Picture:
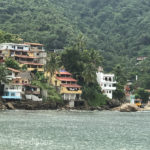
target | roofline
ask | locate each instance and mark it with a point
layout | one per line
(37, 44)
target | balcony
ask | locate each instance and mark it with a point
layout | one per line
(38, 69)
(70, 90)
(12, 97)
(108, 88)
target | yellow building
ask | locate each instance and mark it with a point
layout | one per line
(68, 87)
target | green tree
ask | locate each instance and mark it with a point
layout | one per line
(121, 81)
(119, 93)
(142, 94)
(3, 73)
(8, 37)
(53, 64)
(93, 95)
(11, 63)
(24, 67)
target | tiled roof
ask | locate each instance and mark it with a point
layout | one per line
(13, 70)
(65, 79)
(71, 85)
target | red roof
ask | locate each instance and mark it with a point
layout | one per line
(25, 56)
(64, 73)
(13, 70)
(71, 85)
(30, 63)
(66, 79)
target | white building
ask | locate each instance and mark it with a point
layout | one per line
(12, 73)
(107, 83)
(12, 92)
(14, 46)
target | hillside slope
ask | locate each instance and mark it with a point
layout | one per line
(118, 28)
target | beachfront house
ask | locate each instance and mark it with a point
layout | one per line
(107, 83)
(67, 87)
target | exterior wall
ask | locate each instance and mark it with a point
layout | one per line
(30, 68)
(21, 81)
(106, 82)
(6, 53)
(11, 76)
(71, 104)
(31, 54)
(58, 81)
(12, 46)
(69, 96)
(12, 92)
(38, 69)
(33, 98)
(13, 88)
(65, 90)
(12, 95)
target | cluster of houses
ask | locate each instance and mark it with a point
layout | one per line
(33, 56)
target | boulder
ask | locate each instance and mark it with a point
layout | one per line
(10, 106)
(113, 103)
(129, 108)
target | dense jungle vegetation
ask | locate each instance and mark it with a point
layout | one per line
(119, 29)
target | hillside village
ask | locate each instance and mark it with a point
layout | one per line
(32, 58)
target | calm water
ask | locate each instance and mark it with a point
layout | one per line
(62, 130)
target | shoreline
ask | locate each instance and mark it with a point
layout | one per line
(51, 105)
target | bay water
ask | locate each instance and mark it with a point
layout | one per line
(74, 130)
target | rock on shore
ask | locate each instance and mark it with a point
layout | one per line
(129, 108)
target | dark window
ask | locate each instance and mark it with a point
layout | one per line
(12, 94)
(20, 47)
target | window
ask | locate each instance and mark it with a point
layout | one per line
(12, 94)
(17, 81)
(104, 85)
(109, 91)
(63, 82)
(6, 94)
(20, 47)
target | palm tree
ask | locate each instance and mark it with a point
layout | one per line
(89, 74)
(52, 65)
(92, 61)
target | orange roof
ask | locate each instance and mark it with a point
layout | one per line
(35, 44)
(66, 79)
(30, 63)
(71, 85)
(13, 70)
(25, 56)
